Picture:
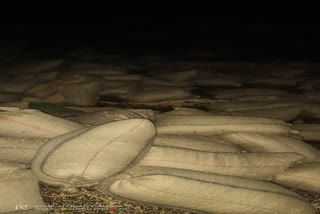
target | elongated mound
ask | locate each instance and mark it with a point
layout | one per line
(250, 165)
(9, 97)
(18, 187)
(177, 76)
(81, 94)
(16, 122)
(181, 111)
(160, 95)
(253, 142)
(204, 192)
(215, 125)
(194, 143)
(309, 132)
(86, 156)
(101, 117)
(281, 113)
(304, 177)
(19, 150)
(311, 110)
(236, 93)
(215, 120)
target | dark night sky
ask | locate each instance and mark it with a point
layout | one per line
(262, 27)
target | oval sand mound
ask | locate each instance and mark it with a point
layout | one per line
(86, 156)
